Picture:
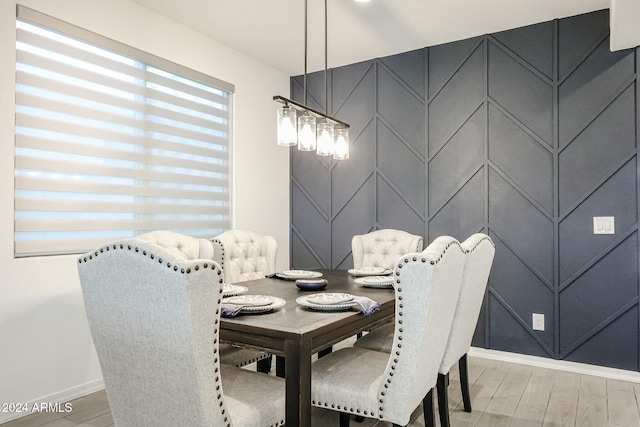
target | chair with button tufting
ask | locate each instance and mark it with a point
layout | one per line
(389, 386)
(248, 255)
(245, 255)
(382, 248)
(479, 250)
(154, 314)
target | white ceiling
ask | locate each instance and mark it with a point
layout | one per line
(272, 31)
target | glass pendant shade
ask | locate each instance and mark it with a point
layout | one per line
(287, 133)
(325, 139)
(306, 133)
(341, 151)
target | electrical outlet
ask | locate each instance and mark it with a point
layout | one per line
(538, 322)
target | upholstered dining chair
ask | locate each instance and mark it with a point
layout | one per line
(479, 250)
(245, 255)
(154, 314)
(382, 248)
(248, 255)
(389, 386)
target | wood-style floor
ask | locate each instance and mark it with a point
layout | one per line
(502, 394)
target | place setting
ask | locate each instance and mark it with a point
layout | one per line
(378, 282)
(230, 290)
(250, 304)
(369, 271)
(337, 301)
(297, 274)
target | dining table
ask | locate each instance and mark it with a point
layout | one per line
(296, 332)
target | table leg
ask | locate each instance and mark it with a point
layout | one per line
(298, 382)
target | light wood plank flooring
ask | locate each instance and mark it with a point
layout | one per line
(502, 394)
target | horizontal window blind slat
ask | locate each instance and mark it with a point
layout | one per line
(22, 183)
(186, 89)
(33, 82)
(46, 205)
(81, 113)
(126, 156)
(213, 110)
(50, 165)
(28, 225)
(186, 119)
(57, 71)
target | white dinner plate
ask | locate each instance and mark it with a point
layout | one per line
(250, 300)
(277, 303)
(375, 281)
(325, 307)
(298, 274)
(369, 271)
(329, 298)
(229, 290)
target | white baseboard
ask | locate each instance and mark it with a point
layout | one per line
(560, 365)
(62, 396)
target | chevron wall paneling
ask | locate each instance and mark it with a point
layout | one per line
(525, 135)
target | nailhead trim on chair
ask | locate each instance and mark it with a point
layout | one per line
(182, 270)
(478, 244)
(222, 246)
(400, 330)
(144, 253)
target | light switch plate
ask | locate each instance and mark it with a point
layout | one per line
(604, 225)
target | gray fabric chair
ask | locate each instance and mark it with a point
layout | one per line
(245, 255)
(388, 387)
(382, 248)
(154, 314)
(479, 250)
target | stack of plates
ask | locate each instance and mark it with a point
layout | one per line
(327, 301)
(256, 303)
(298, 274)
(375, 281)
(369, 271)
(229, 290)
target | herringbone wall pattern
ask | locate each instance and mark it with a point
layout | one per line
(525, 135)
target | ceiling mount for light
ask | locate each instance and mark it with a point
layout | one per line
(327, 136)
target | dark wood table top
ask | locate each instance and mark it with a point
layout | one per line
(322, 327)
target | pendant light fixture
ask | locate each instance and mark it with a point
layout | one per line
(312, 130)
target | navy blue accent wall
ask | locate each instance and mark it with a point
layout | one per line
(525, 135)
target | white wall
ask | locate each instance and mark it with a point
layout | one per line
(45, 347)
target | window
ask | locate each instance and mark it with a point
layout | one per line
(111, 142)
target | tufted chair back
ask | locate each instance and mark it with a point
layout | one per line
(480, 250)
(247, 255)
(179, 244)
(153, 313)
(383, 248)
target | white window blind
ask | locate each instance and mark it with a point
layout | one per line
(111, 142)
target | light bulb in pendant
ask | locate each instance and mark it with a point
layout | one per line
(341, 151)
(287, 135)
(325, 139)
(306, 133)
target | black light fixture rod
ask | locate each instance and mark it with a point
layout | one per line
(302, 107)
(326, 88)
(305, 52)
